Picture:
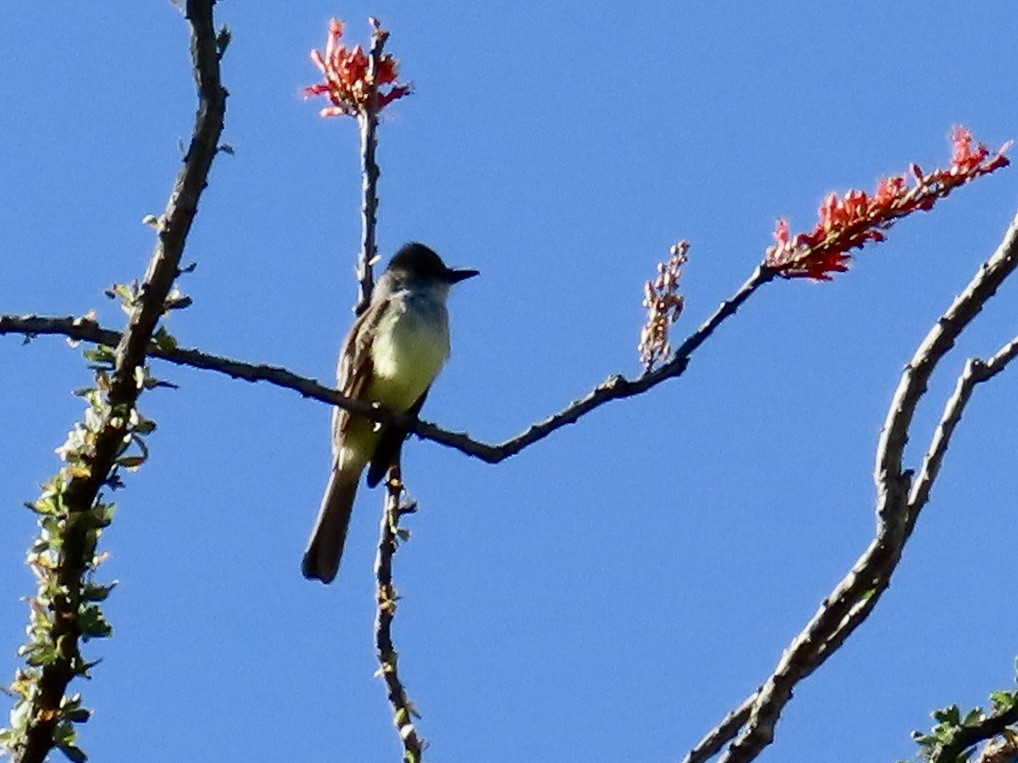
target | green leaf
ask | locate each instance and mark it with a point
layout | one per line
(974, 716)
(39, 655)
(44, 506)
(96, 592)
(73, 752)
(78, 715)
(950, 715)
(93, 624)
(104, 513)
(163, 339)
(131, 462)
(1003, 700)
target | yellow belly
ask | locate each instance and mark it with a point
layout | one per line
(406, 357)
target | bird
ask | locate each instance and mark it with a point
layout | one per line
(391, 356)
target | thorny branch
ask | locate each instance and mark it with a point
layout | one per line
(360, 85)
(389, 536)
(367, 121)
(392, 508)
(76, 553)
(897, 511)
(352, 83)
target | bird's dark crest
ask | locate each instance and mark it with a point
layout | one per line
(417, 257)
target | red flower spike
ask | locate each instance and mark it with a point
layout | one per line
(854, 219)
(965, 156)
(347, 82)
(890, 190)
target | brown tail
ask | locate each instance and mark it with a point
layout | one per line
(325, 547)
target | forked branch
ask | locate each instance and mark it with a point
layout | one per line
(899, 503)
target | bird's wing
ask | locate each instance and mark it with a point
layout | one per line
(353, 373)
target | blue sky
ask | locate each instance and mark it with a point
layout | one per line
(612, 592)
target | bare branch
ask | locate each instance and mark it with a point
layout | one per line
(857, 594)
(975, 372)
(725, 731)
(938, 341)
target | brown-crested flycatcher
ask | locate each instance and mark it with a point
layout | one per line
(392, 354)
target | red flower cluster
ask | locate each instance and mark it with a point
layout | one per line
(347, 82)
(664, 305)
(856, 218)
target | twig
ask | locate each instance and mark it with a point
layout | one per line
(616, 387)
(77, 552)
(975, 372)
(897, 510)
(389, 534)
(716, 738)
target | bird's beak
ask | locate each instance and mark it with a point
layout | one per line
(455, 276)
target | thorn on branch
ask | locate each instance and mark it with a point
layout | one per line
(175, 300)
